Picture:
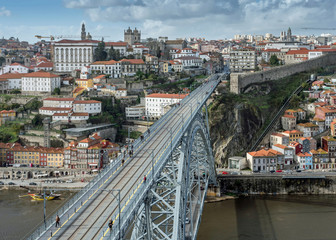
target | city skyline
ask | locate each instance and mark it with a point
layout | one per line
(211, 20)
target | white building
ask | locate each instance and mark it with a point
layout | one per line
(14, 80)
(15, 68)
(120, 46)
(58, 102)
(156, 102)
(70, 117)
(185, 52)
(87, 106)
(190, 61)
(70, 55)
(45, 66)
(113, 68)
(50, 111)
(265, 160)
(288, 153)
(135, 112)
(40, 82)
(243, 60)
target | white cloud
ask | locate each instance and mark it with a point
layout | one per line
(4, 12)
(211, 18)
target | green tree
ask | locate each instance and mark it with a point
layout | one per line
(55, 143)
(33, 105)
(16, 91)
(37, 120)
(139, 75)
(100, 54)
(57, 91)
(2, 60)
(111, 53)
(274, 61)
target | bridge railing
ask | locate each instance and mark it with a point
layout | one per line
(140, 190)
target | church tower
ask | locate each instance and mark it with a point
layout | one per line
(83, 33)
(289, 35)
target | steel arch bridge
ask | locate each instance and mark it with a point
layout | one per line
(176, 158)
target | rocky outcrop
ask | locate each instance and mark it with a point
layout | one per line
(232, 127)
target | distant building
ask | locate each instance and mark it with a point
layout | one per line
(135, 112)
(156, 102)
(70, 55)
(265, 160)
(243, 61)
(40, 82)
(132, 36)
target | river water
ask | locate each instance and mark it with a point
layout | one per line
(253, 218)
(272, 217)
(18, 216)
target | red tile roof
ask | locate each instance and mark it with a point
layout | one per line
(166, 95)
(265, 153)
(12, 75)
(121, 44)
(133, 61)
(78, 41)
(42, 74)
(45, 65)
(59, 99)
(55, 109)
(85, 101)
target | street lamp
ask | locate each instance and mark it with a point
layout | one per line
(153, 172)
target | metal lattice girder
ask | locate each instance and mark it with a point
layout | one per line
(172, 209)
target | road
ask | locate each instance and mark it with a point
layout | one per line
(90, 220)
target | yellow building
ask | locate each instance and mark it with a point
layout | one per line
(26, 155)
(7, 116)
(55, 157)
(85, 83)
(78, 91)
(166, 67)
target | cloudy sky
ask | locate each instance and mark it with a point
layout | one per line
(211, 19)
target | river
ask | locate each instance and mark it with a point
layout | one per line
(18, 216)
(253, 218)
(270, 218)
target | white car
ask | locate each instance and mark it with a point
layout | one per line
(69, 181)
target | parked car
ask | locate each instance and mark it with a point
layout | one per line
(224, 173)
(279, 170)
(69, 181)
(32, 183)
(272, 171)
(2, 183)
(11, 183)
(298, 170)
(256, 171)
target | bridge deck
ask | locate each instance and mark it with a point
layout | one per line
(89, 218)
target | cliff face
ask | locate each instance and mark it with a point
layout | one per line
(232, 128)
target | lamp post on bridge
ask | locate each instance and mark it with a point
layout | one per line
(152, 153)
(119, 209)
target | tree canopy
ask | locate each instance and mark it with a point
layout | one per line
(274, 61)
(100, 54)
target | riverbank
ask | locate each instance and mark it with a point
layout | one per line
(47, 183)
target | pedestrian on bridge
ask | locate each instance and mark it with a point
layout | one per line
(110, 224)
(57, 221)
(145, 178)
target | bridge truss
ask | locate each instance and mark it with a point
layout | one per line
(173, 205)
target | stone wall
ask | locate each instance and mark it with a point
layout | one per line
(276, 185)
(238, 82)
